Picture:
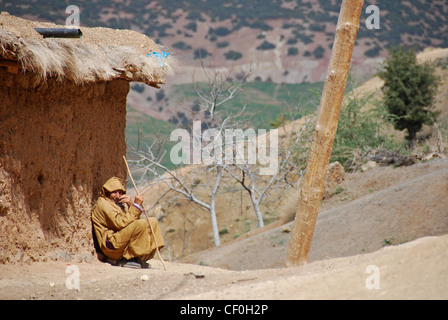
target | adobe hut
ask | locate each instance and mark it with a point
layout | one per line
(62, 129)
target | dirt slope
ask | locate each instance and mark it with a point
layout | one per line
(379, 207)
(382, 205)
(415, 270)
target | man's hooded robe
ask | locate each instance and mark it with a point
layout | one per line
(120, 231)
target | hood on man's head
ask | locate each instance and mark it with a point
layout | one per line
(113, 184)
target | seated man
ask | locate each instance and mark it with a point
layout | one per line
(122, 236)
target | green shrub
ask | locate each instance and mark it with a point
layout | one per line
(233, 55)
(200, 53)
(373, 52)
(266, 46)
(292, 51)
(181, 45)
(409, 91)
(319, 52)
(359, 127)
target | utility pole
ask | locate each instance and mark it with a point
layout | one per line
(313, 182)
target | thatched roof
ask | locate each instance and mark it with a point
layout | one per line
(101, 54)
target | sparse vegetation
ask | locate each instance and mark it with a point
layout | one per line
(200, 54)
(292, 51)
(181, 45)
(266, 46)
(373, 52)
(360, 127)
(319, 52)
(338, 190)
(279, 121)
(388, 242)
(233, 55)
(400, 23)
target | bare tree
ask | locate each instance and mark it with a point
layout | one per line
(218, 91)
(247, 172)
(259, 187)
(176, 182)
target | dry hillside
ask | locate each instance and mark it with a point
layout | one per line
(392, 219)
(380, 207)
(363, 227)
(187, 227)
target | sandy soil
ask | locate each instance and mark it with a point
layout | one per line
(415, 270)
(348, 256)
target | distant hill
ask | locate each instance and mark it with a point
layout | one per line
(280, 41)
(291, 37)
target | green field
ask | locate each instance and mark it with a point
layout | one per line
(142, 130)
(264, 103)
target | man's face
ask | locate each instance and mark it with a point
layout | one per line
(115, 196)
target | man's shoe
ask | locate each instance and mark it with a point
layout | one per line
(144, 264)
(112, 262)
(131, 263)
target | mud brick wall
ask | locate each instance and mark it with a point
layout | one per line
(59, 142)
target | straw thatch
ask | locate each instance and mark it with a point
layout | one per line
(101, 54)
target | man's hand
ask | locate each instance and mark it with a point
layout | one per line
(126, 199)
(139, 199)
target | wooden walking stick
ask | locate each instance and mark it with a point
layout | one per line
(312, 185)
(146, 214)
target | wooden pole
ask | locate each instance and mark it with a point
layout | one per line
(146, 214)
(313, 182)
